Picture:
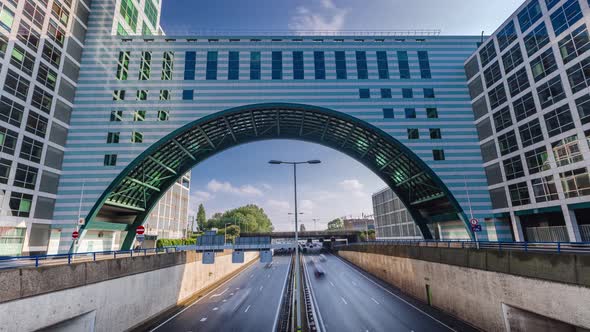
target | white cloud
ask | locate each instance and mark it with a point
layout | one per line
(306, 206)
(266, 186)
(278, 205)
(197, 197)
(226, 187)
(326, 17)
(353, 186)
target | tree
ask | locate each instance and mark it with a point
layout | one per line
(231, 232)
(302, 228)
(335, 225)
(249, 218)
(201, 217)
(363, 235)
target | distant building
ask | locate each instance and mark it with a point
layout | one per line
(358, 224)
(392, 220)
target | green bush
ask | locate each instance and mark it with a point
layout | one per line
(161, 243)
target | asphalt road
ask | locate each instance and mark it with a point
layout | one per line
(248, 302)
(350, 300)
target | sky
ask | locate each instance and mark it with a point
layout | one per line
(339, 186)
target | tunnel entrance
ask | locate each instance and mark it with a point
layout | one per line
(128, 200)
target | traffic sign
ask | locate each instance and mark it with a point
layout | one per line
(140, 237)
(474, 221)
(81, 221)
(140, 230)
(476, 228)
(75, 235)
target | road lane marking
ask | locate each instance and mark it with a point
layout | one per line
(331, 283)
(237, 288)
(391, 293)
(224, 300)
(343, 300)
(247, 309)
(252, 275)
(197, 301)
(231, 294)
(375, 300)
(274, 325)
(216, 295)
(268, 276)
(215, 309)
(261, 288)
(203, 319)
(354, 283)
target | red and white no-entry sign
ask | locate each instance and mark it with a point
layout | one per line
(474, 222)
(140, 230)
(75, 235)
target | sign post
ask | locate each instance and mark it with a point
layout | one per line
(139, 235)
(475, 228)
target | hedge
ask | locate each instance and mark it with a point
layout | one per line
(161, 243)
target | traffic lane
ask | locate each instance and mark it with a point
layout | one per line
(249, 302)
(350, 302)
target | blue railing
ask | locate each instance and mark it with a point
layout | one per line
(558, 247)
(23, 261)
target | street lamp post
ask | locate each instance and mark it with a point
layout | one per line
(297, 268)
(225, 232)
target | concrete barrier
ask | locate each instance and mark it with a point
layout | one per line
(492, 290)
(107, 295)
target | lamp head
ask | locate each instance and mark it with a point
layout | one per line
(314, 161)
(275, 162)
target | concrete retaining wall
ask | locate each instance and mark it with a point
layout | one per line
(477, 295)
(120, 293)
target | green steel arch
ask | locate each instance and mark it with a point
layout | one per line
(128, 200)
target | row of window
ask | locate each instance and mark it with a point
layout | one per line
(387, 94)
(410, 113)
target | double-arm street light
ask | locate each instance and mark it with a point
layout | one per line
(297, 273)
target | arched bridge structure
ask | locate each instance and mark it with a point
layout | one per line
(135, 191)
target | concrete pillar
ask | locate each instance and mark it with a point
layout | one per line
(25, 248)
(571, 223)
(516, 227)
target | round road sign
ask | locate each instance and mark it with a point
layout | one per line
(140, 230)
(75, 235)
(474, 222)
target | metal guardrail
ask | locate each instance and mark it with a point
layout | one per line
(37, 260)
(556, 247)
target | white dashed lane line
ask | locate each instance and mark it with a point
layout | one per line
(343, 300)
(375, 300)
(216, 295)
(203, 319)
(248, 308)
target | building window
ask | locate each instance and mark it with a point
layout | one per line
(42, 100)
(551, 3)
(512, 58)
(190, 61)
(31, 150)
(388, 113)
(145, 66)
(507, 143)
(233, 72)
(16, 85)
(432, 113)
(361, 65)
(151, 12)
(31, 10)
(28, 36)
(211, 71)
(550, 92)
(164, 94)
(255, 65)
(167, 65)
(502, 119)
(492, 74)
(47, 76)
(129, 13)
(36, 124)
(320, 65)
(22, 60)
(403, 64)
(364, 93)
(298, 65)
(57, 34)
(574, 44)
(424, 64)
(277, 65)
(20, 204)
(119, 95)
(113, 137)
(382, 65)
(543, 65)
(544, 189)
(116, 116)
(5, 166)
(575, 183)
(386, 93)
(142, 94)
(519, 194)
(536, 39)
(438, 155)
(566, 16)
(163, 115)
(413, 133)
(506, 36)
(410, 113)
(524, 107)
(497, 96)
(529, 15)
(513, 168)
(579, 75)
(340, 58)
(518, 82)
(537, 160)
(121, 30)
(559, 121)
(407, 93)
(428, 93)
(435, 133)
(7, 17)
(25, 176)
(11, 112)
(8, 140)
(583, 107)
(110, 160)
(530, 133)
(123, 65)
(136, 137)
(566, 151)
(139, 116)
(188, 94)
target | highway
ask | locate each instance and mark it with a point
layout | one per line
(248, 302)
(350, 300)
